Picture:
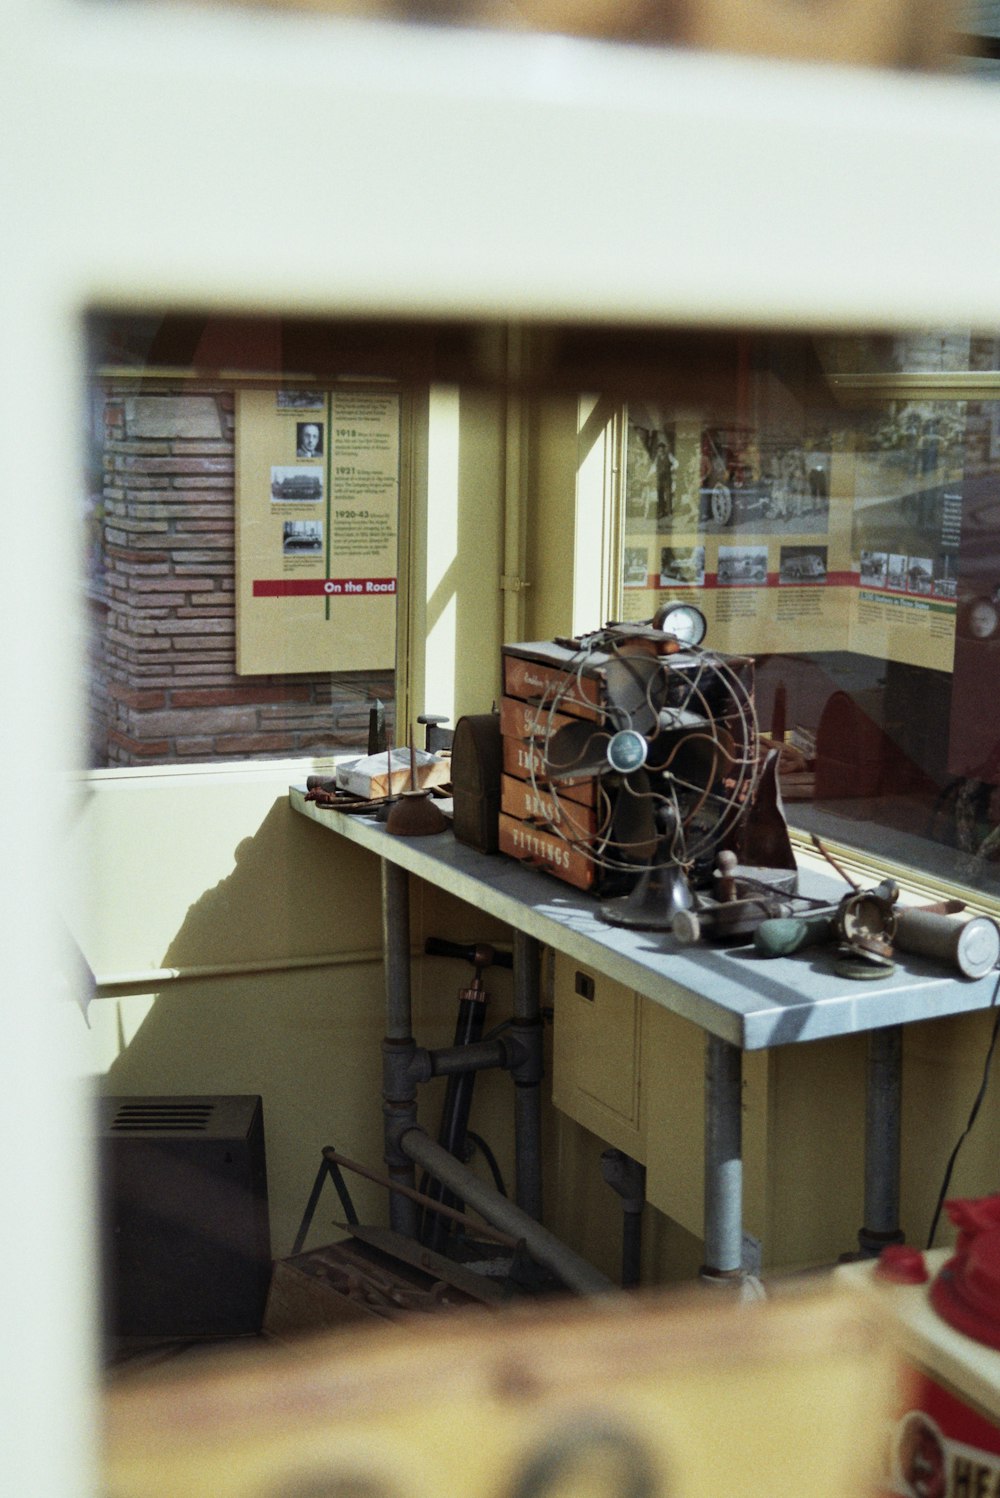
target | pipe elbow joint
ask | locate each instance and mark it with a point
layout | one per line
(523, 1041)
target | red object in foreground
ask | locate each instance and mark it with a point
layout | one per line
(901, 1264)
(966, 1292)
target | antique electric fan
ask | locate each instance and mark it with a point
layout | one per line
(668, 753)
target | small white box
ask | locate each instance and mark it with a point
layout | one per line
(370, 777)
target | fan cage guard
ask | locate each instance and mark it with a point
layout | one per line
(704, 814)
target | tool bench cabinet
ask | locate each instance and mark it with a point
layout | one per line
(638, 1014)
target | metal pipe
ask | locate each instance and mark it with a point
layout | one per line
(882, 1139)
(527, 1150)
(454, 1126)
(527, 1093)
(404, 1214)
(399, 1097)
(527, 1003)
(396, 947)
(628, 1178)
(631, 1248)
(543, 1246)
(141, 980)
(477, 1055)
(723, 1158)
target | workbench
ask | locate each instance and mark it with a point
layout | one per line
(740, 1001)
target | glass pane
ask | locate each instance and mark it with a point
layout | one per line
(839, 519)
(242, 529)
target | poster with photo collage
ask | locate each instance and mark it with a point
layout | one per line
(837, 536)
(317, 511)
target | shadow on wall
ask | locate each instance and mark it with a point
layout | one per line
(305, 1037)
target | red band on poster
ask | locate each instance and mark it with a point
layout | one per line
(324, 587)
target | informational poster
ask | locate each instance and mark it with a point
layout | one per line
(974, 738)
(752, 527)
(798, 542)
(906, 534)
(317, 515)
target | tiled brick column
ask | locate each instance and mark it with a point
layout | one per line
(168, 658)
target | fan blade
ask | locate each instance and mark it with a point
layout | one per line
(576, 752)
(633, 821)
(702, 759)
(636, 688)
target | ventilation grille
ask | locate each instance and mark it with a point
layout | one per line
(153, 1117)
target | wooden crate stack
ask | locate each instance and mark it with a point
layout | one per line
(542, 695)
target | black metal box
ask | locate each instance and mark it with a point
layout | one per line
(184, 1216)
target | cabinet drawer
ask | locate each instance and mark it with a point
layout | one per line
(596, 1051)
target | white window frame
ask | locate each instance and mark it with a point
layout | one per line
(155, 157)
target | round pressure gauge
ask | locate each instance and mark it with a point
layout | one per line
(982, 618)
(682, 620)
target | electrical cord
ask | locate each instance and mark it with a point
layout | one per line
(973, 1114)
(490, 1158)
(477, 1142)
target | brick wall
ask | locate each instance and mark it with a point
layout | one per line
(163, 685)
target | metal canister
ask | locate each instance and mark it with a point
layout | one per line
(971, 944)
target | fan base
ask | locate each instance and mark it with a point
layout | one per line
(659, 895)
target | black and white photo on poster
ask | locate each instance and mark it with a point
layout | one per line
(680, 477)
(296, 485)
(301, 536)
(683, 565)
(300, 400)
(742, 565)
(635, 567)
(308, 440)
(802, 564)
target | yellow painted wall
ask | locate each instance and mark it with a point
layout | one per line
(551, 517)
(943, 1064)
(188, 872)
